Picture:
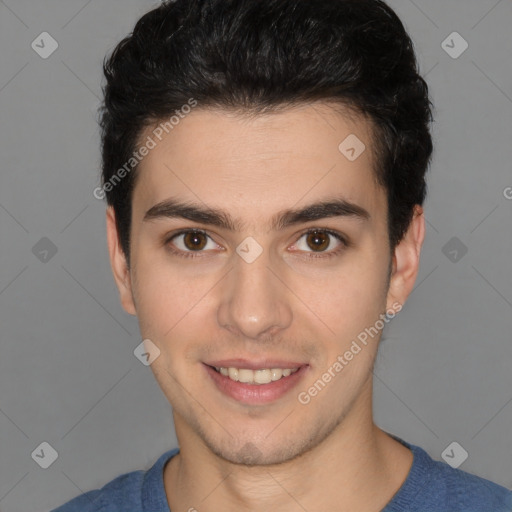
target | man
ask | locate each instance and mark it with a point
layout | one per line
(264, 167)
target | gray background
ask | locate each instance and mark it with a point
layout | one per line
(68, 375)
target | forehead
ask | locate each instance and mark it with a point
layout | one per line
(231, 160)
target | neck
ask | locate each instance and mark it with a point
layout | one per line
(357, 468)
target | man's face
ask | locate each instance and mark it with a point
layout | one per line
(211, 299)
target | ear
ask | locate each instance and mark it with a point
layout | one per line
(118, 264)
(406, 260)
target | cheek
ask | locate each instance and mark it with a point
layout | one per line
(173, 306)
(160, 295)
(347, 298)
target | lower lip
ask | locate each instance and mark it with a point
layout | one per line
(255, 393)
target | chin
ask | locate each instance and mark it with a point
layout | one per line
(262, 453)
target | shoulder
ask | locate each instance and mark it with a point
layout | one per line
(434, 486)
(122, 492)
(126, 493)
(467, 492)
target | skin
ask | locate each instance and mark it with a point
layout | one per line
(291, 303)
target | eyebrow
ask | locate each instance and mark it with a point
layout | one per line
(338, 207)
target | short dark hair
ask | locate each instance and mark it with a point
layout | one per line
(260, 56)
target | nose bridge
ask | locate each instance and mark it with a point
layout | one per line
(254, 302)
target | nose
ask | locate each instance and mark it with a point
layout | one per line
(255, 303)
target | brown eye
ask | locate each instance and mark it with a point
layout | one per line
(318, 240)
(320, 243)
(192, 243)
(195, 240)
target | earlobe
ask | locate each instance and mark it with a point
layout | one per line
(406, 259)
(119, 264)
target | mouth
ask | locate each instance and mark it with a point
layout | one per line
(260, 384)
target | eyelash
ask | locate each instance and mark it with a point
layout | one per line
(322, 254)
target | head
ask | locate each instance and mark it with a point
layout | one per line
(244, 109)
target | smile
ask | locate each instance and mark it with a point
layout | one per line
(255, 386)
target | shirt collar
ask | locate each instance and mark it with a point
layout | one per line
(153, 495)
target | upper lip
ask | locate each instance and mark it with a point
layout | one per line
(254, 364)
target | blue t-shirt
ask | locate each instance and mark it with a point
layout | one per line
(430, 486)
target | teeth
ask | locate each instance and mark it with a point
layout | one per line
(276, 373)
(263, 376)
